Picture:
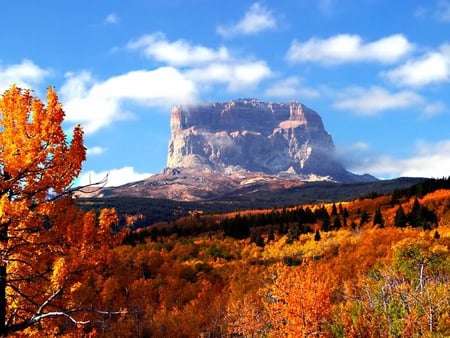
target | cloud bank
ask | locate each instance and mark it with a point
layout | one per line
(347, 48)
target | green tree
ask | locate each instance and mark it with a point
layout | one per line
(400, 220)
(317, 236)
(378, 218)
(364, 218)
(337, 223)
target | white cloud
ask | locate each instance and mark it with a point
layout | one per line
(25, 75)
(204, 66)
(115, 177)
(95, 150)
(255, 20)
(291, 88)
(354, 156)
(430, 160)
(177, 53)
(236, 75)
(433, 67)
(96, 104)
(111, 19)
(375, 100)
(432, 109)
(346, 48)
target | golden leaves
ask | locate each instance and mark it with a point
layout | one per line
(300, 300)
(34, 152)
(46, 243)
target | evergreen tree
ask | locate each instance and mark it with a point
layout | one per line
(364, 218)
(322, 214)
(309, 216)
(415, 215)
(317, 236)
(271, 235)
(334, 210)
(378, 218)
(337, 223)
(400, 220)
(259, 241)
(344, 216)
(293, 234)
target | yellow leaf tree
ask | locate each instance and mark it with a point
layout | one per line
(299, 300)
(44, 242)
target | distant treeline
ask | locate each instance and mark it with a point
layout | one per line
(421, 189)
(292, 222)
(152, 210)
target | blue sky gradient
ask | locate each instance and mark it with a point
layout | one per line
(377, 71)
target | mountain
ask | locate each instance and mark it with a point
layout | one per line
(241, 147)
(248, 135)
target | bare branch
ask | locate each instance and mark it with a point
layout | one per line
(48, 300)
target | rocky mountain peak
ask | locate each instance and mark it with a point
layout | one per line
(248, 135)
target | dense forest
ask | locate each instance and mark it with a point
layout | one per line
(374, 266)
(152, 210)
(371, 267)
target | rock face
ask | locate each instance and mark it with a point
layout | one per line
(248, 135)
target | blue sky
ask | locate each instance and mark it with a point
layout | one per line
(377, 71)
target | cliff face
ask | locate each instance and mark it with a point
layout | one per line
(253, 136)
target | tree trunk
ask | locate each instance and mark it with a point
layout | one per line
(3, 305)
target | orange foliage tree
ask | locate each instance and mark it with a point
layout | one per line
(45, 241)
(300, 300)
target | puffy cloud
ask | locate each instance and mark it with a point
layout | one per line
(375, 100)
(431, 68)
(24, 75)
(346, 48)
(255, 20)
(291, 88)
(115, 177)
(429, 160)
(236, 75)
(96, 104)
(204, 66)
(177, 53)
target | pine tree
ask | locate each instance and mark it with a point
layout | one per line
(378, 218)
(364, 218)
(337, 223)
(400, 220)
(317, 236)
(334, 210)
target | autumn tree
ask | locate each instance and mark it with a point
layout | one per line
(44, 239)
(405, 297)
(300, 300)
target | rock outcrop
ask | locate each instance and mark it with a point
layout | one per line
(248, 135)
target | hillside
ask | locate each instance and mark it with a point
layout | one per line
(255, 196)
(374, 266)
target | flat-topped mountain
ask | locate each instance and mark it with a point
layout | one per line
(248, 135)
(238, 148)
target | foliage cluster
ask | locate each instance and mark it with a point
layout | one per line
(365, 268)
